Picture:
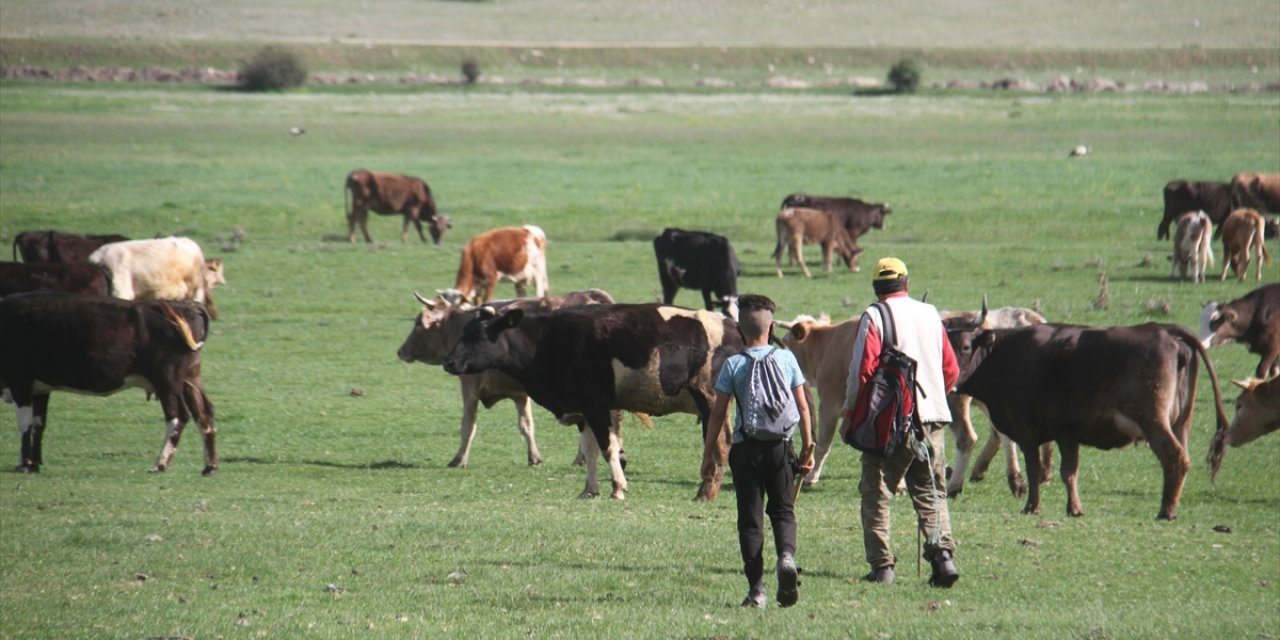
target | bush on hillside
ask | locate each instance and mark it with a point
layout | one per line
(272, 69)
(470, 70)
(904, 76)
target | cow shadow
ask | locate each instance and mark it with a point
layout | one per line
(380, 465)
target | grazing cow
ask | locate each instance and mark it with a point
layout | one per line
(1257, 411)
(1192, 248)
(1243, 233)
(96, 345)
(389, 194)
(517, 254)
(583, 363)
(698, 260)
(77, 277)
(55, 246)
(961, 404)
(1076, 385)
(1253, 320)
(856, 216)
(795, 226)
(162, 269)
(1181, 196)
(1259, 191)
(438, 328)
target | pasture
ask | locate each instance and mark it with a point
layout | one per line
(334, 515)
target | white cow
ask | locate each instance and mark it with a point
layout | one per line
(1192, 249)
(170, 268)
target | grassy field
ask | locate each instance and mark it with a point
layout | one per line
(334, 514)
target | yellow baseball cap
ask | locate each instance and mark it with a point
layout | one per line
(890, 269)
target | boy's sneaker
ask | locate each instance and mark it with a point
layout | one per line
(756, 599)
(788, 581)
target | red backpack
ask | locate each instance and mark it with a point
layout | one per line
(885, 411)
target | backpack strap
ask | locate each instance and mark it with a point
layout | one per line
(886, 318)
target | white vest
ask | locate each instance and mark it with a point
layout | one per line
(920, 335)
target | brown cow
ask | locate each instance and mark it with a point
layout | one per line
(1181, 196)
(796, 226)
(518, 254)
(1257, 411)
(1259, 191)
(1252, 320)
(78, 277)
(1243, 232)
(389, 194)
(56, 246)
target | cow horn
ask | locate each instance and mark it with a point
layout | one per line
(1247, 384)
(925, 297)
(424, 301)
(183, 328)
(982, 317)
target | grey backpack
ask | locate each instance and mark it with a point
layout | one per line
(770, 411)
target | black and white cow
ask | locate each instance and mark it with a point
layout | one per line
(698, 260)
(583, 363)
(54, 341)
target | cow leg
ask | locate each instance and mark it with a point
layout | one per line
(175, 419)
(417, 223)
(608, 443)
(524, 422)
(467, 429)
(590, 451)
(1034, 473)
(1070, 475)
(797, 251)
(520, 289)
(777, 262)
(825, 432)
(201, 409)
(994, 443)
(1175, 463)
(827, 250)
(31, 411)
(1046, 462)
(962, 430)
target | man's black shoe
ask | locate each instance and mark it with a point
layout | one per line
(944, 570)
(882, 575)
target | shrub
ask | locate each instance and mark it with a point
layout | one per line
(905, 76)
(470, 70)
(272, 69)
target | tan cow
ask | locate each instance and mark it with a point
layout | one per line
(1243, 233)
(796, 226)
(172, 268)
(517, 254)
(1259, 191)
(1192, 246)
(1257, 411)
(389, 194)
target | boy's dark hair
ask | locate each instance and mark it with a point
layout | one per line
(755, 315)
(755, 302)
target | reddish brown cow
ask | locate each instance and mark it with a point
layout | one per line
(1259, 191)
(55, 246)
(389, 194)
(1257, 411)
(518, 254)
(1243, 232)
(796, 226)
(1252, 320)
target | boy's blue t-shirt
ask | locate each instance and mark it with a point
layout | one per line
(734, 375)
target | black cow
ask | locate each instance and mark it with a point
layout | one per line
(583, 363)
(856, 216)
(56, 246)
(1076, 385)
(95, 345)
(1181, 196)
(1253, 320)
(75, 277)
(698, 260)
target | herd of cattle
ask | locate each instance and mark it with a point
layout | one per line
(98, 314)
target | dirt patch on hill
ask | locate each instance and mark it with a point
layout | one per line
(223, 77)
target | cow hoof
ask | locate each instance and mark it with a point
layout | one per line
(156, 469)
(1074, 514)
(26, 468)
(977, 477)
(587, 495)
(1031, 511)
(533, 462)
(1167, 516)
(458, 464)
(953, 493)
(209, 471)
(618, 495)
(1017, 485)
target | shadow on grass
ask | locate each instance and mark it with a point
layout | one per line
(376, 466)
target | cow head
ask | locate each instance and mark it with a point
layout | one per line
(1217, 325)
(485, 343)
(878, 212)
(848, 250)
(213, 273)
(428, 341)
(971, 347)
(437, 224)
(454, 297)
(1257, 411)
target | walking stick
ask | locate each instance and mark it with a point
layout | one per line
(919, 549)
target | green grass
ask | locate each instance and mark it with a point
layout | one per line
(321, 487)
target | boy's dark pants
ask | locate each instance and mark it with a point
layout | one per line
(763, 469)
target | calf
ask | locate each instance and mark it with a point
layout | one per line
(1192, 249)
(1257, 411)
(94, 345)
(55, 246)
(162, 269)
(436, 331)
(78, 277)
(795, 226)
(1181, 196)
(856, 216)
(698, 260)
(517, 254)
(1105, 388)
(1243, 232)
(1253, 320)
(389, 194)
(583, 363)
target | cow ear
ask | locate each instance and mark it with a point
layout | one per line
(799, 331)
(512, 318)
(987, 339)
(487, 312)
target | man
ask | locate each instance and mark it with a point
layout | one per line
(763, 467)
(920, 335)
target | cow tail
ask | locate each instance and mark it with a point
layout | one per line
(1218, 444)
(181, 324)
(1264, 256)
